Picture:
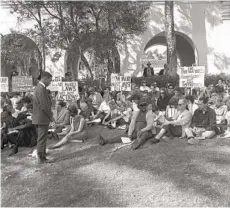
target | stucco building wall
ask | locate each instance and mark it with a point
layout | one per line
(201, 23)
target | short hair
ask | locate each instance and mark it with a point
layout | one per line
(177, 89)
(204, 99)
(5, 114)
(91, 89)
(170, 86)
(62, 103)
(190, 98)
(112, 102)
(173, 101)
(155, 108)
(30, 106)
(184, 100)
(68, 74)
(25, 99)
(73, 109)
(219, 99)
(46, 75)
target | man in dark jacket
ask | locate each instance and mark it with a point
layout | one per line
(203, 123)
(148, 71)
(42, 114)
(24, 135)
(163, 100)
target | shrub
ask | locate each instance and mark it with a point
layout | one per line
(213, 78)
(160, 80)
(163, 80)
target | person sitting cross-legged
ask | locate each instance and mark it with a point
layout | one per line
(114, 117)
(104, 108)
(176, 126)
(140, 130)
(24, 135)
(61, 117)
(203, 123)
(78, 128)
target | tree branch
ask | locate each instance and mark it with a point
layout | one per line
(54, 16)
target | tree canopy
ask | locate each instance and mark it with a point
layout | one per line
(75, 26)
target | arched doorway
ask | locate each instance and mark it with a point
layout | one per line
(21, 54)
(186, 50)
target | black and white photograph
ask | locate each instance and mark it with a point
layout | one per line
(115, 103)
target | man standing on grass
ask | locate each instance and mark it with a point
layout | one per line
(42, 114)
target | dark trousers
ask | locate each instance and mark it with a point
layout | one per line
(172, 130)
(144, 137)
(42, 131)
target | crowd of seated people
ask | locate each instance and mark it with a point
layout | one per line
(146, 112)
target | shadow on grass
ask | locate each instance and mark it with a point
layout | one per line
(178, 165)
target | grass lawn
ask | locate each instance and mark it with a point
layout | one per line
(169, 173)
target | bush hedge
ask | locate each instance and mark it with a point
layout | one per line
(160, 80)
(163, 80)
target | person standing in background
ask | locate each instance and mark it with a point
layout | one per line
(148, 71)
(42, 114)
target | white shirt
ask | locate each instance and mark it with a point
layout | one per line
(135, 107)
(14, 101)
(104, 107)
(15, 114)
(23, 109)
(127, 114)
(145, 88)
(192, 107)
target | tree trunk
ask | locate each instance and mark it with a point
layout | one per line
(43, 53)
(86, 63)
(170, 39)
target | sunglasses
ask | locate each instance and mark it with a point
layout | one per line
(180, 104)
(143, 105)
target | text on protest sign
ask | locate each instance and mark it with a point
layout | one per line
(192, 76)
(22, 84)
(68, 91)
(4, 84)
(120, 83)
(56, 84)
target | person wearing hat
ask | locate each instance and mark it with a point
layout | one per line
(140, 131)
(148, 71)
(144, 87)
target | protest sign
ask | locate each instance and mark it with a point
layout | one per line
(120, 83)
(22, 84)
(56, 84)
(4, 84)
(68, 91)
(192, 76)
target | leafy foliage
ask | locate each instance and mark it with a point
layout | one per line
(75, 26)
